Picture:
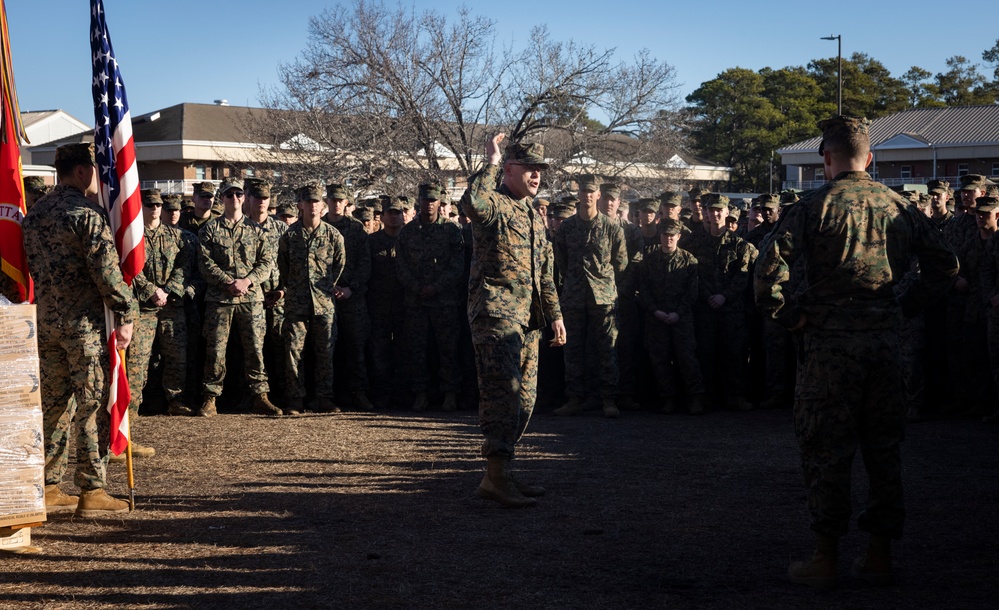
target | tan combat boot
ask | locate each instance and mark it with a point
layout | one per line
(875, 566)
(610, 409)
(293, 406)
(97, 503)
(177, 407)
(498, 486)
(573, 406)
(450, 402)
(420, 404)
(208, 407)
(528, 490)
(58, 501)
(822, 570)
(262, 405)
(138, 451)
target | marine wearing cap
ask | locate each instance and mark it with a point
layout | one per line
(204, 188)
(587, 182)
(151, 197)
(671, 200)
(171, 201)
(337, 192)
(258, 187)
(35, 185)
(310, 191)
(938, 186)
(430, 191)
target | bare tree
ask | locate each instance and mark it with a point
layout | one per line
(382, 95)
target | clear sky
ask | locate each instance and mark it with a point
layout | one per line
(174, 51)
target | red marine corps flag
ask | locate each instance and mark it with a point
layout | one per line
(12, 210)
(114, 151)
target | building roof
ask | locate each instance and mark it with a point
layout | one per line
(939, 127)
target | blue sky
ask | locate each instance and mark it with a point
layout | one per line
(174, 51)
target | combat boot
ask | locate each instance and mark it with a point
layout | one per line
(450, 402)
(738, 403)
(262, 405)
(177, 407)
(498, 485)
(325, 405)
(573, 406)
(420, 404)
(627, 403)
(696, 404)
(821, 571)
(293, 406)
(141, 451)
(208, 407)
(361, 401)
(610, 409)
(97, 503)
(875, 566)
(58, 501)
(526, 489)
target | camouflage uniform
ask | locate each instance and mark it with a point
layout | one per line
(72, 258)
(230, 250)
(166, 264)
(310, 262)
(431, 255)
(592, 255)
(387, 313)
(856, 237)
(668, 283)
(274, 345)
(511, 296)
(723, 265)
(352, 314)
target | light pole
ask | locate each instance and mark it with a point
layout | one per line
(839, 70)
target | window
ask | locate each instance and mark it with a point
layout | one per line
(276, 175)
(962, 169)
(995, 169)
(905, 173)
(199, 172)
(820, 173)
(249, 172)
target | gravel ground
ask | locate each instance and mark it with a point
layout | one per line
(377, 510)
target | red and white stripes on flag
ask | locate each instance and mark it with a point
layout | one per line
(114, 151)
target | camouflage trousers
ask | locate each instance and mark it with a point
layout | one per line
(849, 395)
(441, 323)
(250, 323)
(275, 347)
(167, 328)
(672, 350)
(74, 385)
(506, 360)
(354, 328)
(591, 335)
(385, 357)
(320, 334)
(722, 348)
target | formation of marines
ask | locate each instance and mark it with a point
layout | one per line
(651, 302)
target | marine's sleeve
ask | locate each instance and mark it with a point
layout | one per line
(338, 261)
(282, 261)
(738, 273)
(210, 271)
(481, 204)
(778, 253)
(549, 296)
(178, 277)
(618, 255)
(104, 267)
(143, 288)
(938, 265)
(264, 260)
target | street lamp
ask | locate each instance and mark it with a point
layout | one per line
(839, 71)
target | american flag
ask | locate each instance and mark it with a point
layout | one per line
(114, 151)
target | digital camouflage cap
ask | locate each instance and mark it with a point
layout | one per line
(648, 204)
(611, 189)
(337, 192)
(204, 188)
(258, 187)
(971, 182)
(310, 191)
(231, 183)
(430, 191)
(938, 186)
(522, 153)
(768, 201)
(588, 182)
(714, 200)
(171, 201)
(35, 185)
(151, 196)
(671, 199)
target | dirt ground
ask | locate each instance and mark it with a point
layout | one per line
(377, 510)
